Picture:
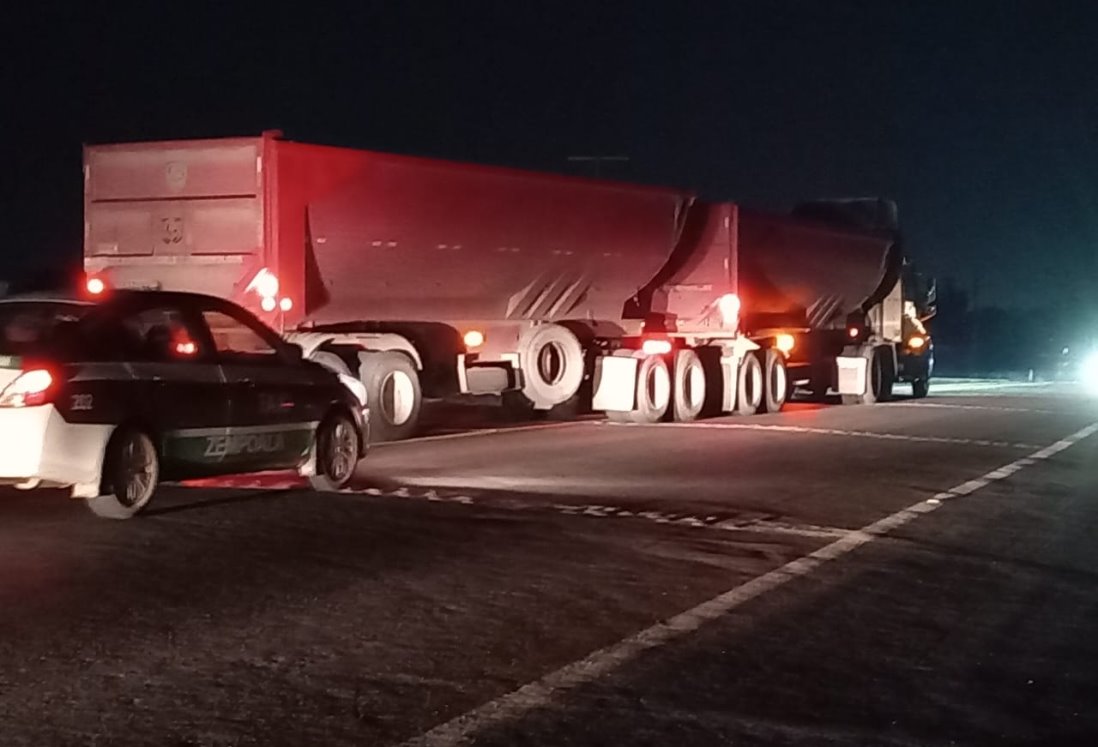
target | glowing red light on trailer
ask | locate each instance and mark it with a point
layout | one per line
(729, 306)
(95, 286)
(285, 304)
(656, 347)
(853, 332)
(267, 303)
(187, 348)
(265, 283)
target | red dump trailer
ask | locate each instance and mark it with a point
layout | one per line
(431, 279)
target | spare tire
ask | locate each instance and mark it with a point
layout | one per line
(552, 362)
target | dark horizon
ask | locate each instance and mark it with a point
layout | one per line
(977, 120)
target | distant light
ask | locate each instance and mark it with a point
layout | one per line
(853, 332)
(1065, 351)
(1088, 372)
(729, 307)
(95, 286)
(785, 343)
(285, 304)
(656, 347)
(916, 342)
(267, 303)
(474, 338)
(186, 348)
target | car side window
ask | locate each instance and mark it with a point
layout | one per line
(236, 341)
(160, 334)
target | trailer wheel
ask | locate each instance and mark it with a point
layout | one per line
(776, 377)
(653, 393)
(749, 385)
(552, 363)
(687, 387)
(879, 369)
(393, 395)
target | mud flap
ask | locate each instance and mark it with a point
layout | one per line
(852, 375)
(615, 387)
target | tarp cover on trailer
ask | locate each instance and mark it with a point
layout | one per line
(813, 268)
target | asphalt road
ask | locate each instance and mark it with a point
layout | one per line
(917, 573)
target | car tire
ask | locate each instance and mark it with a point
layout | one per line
(337, 448)
(131, 472)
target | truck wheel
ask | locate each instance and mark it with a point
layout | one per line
(337, 449)
(687, 387)
(131, 471)
(881, 378)
(553, 363)
(920, 388)
(653, 393)
(393, 395)
(776, 377)
(749, 385)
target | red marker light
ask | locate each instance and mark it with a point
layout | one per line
(656, 347)
(186, 348)
(95, 286)
(854, 332)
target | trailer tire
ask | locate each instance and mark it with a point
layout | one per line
(776, 388)
(879, 369)
(688, 387)
(653, 393)
(393, 394)
(749, 385)
(553, 365)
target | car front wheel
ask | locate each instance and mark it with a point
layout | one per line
(337, 450)
(131, 472)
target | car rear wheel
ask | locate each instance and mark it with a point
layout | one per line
(131, 472)
(337, 450)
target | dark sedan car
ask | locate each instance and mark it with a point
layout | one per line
(112, 397)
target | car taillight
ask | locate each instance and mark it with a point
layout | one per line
(32, 388)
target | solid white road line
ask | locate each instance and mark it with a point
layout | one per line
(542, 692)
(481, 432)
(993, 408)
(830, 432)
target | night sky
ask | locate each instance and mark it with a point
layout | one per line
(981, 119)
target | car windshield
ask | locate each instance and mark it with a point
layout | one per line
(36, 327)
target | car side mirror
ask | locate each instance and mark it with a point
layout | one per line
(296, 353)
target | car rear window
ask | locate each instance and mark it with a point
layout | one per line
(37, 327)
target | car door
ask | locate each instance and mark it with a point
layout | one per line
(273, 411)
(179, 389)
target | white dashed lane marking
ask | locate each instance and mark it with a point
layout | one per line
(832, 432)
(542, 692)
